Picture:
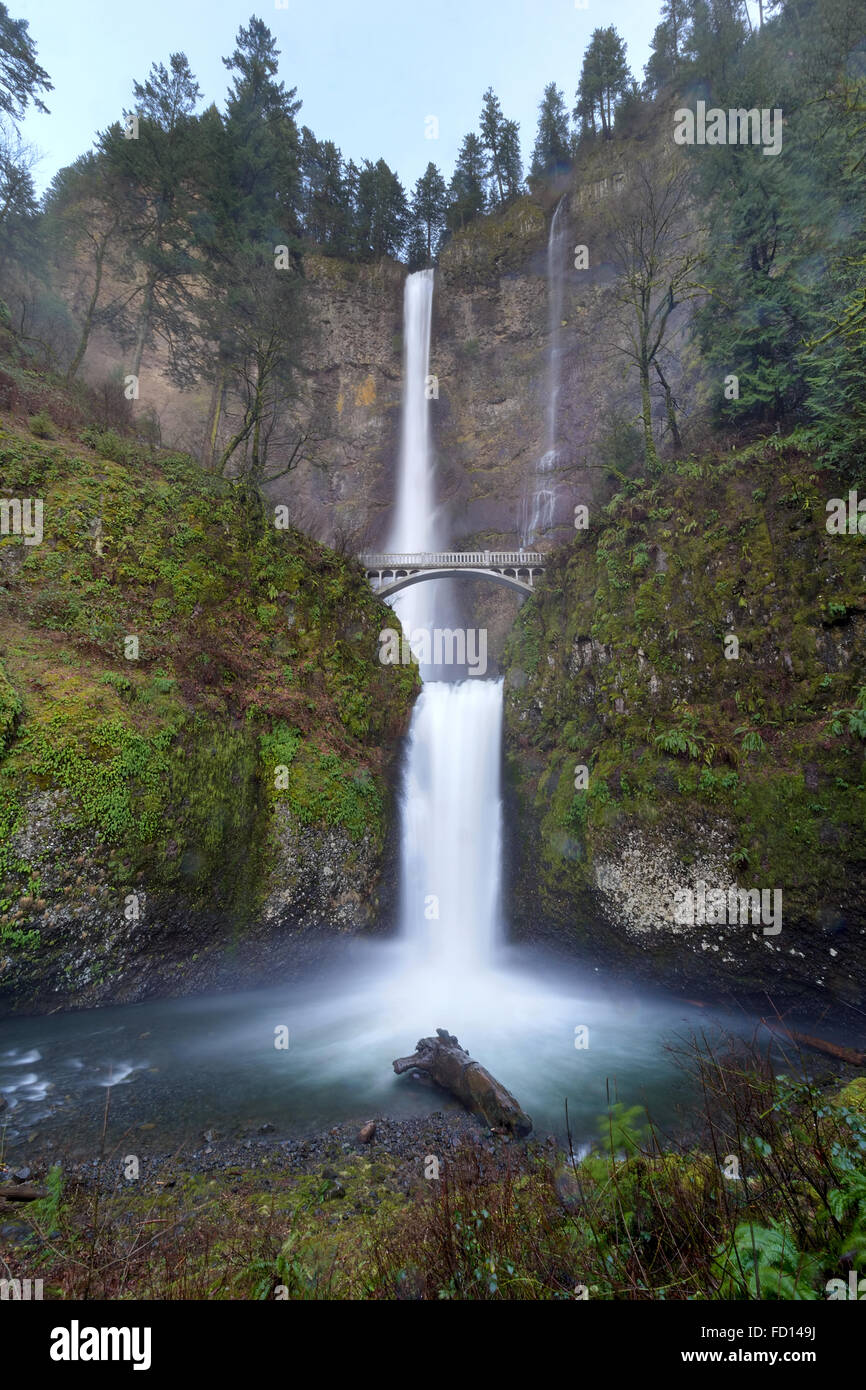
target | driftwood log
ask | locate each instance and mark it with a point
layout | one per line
(842, 1054)
(450, 1066)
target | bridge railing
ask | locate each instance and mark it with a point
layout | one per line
(440, 559)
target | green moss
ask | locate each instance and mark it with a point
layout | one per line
(10, 708)
(669, 726)
(241, 633)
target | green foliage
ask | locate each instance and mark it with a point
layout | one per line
(856, 718)
(46, 1212)
(763, 1262)
(10, 709)
(752, 741)
(604, 81)
(41, 425)
(116, 776)
(624, 1130)
(108, 443)
(683, 738)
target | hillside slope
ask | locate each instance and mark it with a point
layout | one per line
(197, 735)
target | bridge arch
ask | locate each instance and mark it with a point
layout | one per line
(389, 572)
(403, 581)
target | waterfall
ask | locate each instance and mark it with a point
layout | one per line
(452, 825)
(414, 526)
(540, 501)
(415, 520)
(451, 811)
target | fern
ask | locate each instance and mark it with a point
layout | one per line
(763, 1262)
(752, 741)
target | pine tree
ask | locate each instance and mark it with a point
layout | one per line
(604, 80)
(552, 150)
(264, 143)
(667, 52)
(21, 81)
(429, 202)
(326, 204)
(466, 198)
(383, 212)
(250, 312)
(157, 168)
(511, 160)
(716, 35)
(21, 77)
(500, 138)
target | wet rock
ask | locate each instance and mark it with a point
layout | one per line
(267, 1128)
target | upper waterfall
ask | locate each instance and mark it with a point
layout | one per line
(415, 518)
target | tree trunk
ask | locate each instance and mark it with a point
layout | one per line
(88, 317)
(450, 1066)
(143, 326)
(216, 407)
(670, 408)
(652, 458)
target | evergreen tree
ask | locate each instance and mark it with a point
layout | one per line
(21, 81)
(511, 160)
(249, 311)
(416, 248)
(326, 204)
(466, 198)
(429, 202)
(604, 80)
(17, 197)
(263, 136)
(717, 32)
(158, 171)
(500, 138)
(552, 150)
(383, 212)
(667, 51)
(21, 77)
(782, 229)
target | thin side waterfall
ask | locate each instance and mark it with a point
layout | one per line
(540, 500)
(451, 828)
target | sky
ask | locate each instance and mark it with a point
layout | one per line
(369, 72)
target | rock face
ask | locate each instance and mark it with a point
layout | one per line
(684, 729)
(98, 944)
(489, 357)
